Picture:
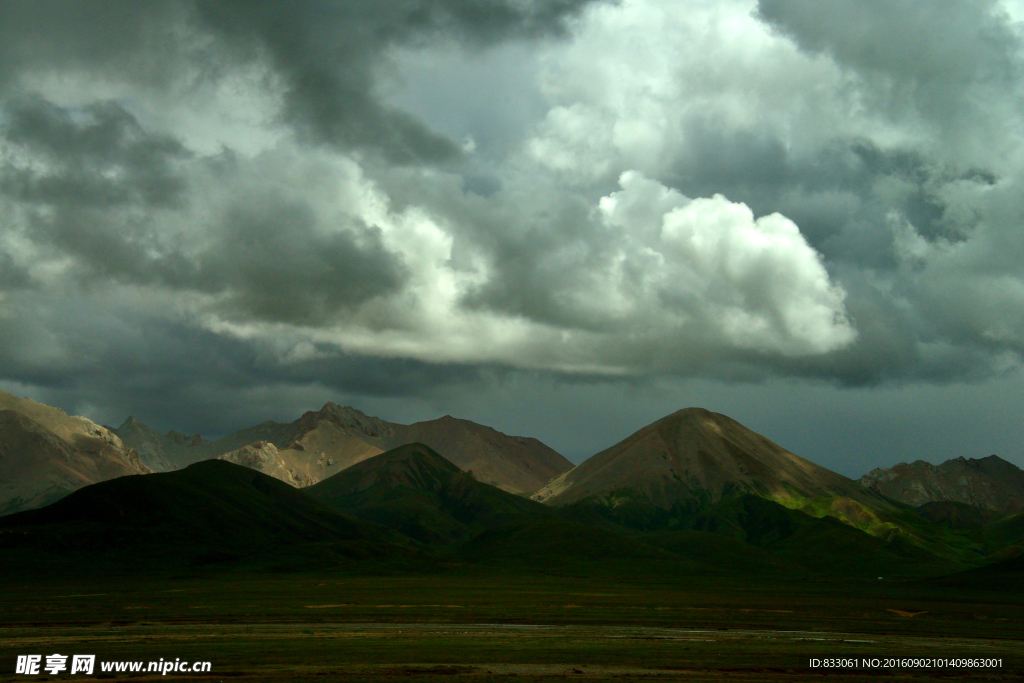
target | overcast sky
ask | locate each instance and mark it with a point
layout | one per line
(561, 218)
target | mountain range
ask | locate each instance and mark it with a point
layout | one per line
(990, 483)
(325, 442)
(693, 492)
(410, 509)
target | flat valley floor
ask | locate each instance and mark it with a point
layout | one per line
(495, 627)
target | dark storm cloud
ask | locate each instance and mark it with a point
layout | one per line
(534, 267)
(132, 39)
(143, 270)
(932, 51)
(172, 374)
(269, 261)
(844, 195)
(278, 265)
(889, 348)
(327, 52)
(78, 173)
(839, 194)
(97, 155)
(932, 42)
(12, 275)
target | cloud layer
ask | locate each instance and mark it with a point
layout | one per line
(385, 197)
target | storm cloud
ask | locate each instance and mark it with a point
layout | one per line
(209, 210)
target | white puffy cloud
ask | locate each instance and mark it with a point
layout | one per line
(756, 284)
(686, 276)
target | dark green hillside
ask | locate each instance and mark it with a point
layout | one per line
(1001, 533)
(718, 550)
(411, 509)
(415, 491)
(937, 537)
(959, 534)
(758, 533)
(822, 545)
(556, 546)
(1005, 575)
(956, 515)
(631, 509)
(212, 512)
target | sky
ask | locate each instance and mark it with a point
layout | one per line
(561, 218)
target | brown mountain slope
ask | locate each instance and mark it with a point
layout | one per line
(45, 454)
(322, 443)
(696, 456)
(514, 463)
(81, 433)
(316, 446)
(990, 483)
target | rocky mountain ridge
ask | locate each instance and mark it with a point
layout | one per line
(990, 483)
(324, 442)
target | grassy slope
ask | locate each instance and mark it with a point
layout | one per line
(766, 534)
(1005, 575)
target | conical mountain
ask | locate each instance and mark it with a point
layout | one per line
(414, 466)
(695, 457)
(416, 491)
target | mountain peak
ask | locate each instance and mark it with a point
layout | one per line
(347, 419)
(416, 491)
(692, 455)
(414, 465)
(133, 423)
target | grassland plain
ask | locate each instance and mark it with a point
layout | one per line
(483, 624)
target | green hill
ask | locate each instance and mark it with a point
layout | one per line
(820, 544)
(210, 513)
(721, 551)
(415, 491)
(1005, 575)
(557, 546)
